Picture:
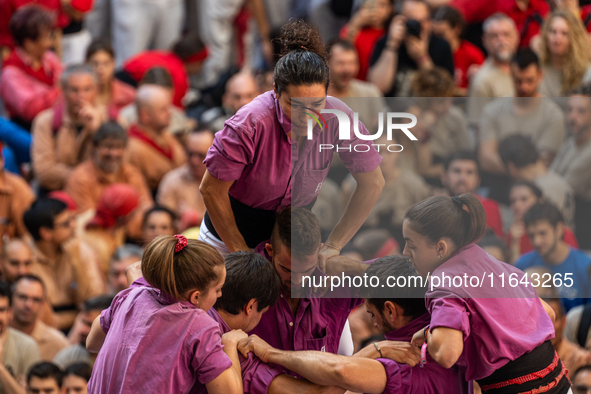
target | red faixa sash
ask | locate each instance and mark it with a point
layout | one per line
(40, 74)
(135, 132)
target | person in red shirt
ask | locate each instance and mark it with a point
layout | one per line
(461, 176)
(522, 196)
(113, 93)
(585, 13)
(65, 13)
(365, 28)
(186, 58)
(30, 74)
(528, 16)
(448, 23)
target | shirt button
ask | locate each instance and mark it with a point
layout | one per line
(294, 147)
(291, 324)
(281, 295)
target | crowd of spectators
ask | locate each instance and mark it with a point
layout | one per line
(109, 109)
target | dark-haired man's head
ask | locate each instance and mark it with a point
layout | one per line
(158, 221)
(28, 295)
(526, 73)
(461, 173)
(582, 380)
(76, 378)
(44, 378)
(197, 145)
(393, 307)
(109, 144)
(91, 309)
(251, 287)
(49, 221)
(17, 259)
(241, 89)
(301, 76)
(545, 228)
(578, 113)
(294, 247)
(343, 63)
(519, 153)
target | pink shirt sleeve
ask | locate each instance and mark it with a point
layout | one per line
(397, 376)
(209, 360)
(23, 95)
(108, 314)
(256, 375)
(450, 313)
(232, 150)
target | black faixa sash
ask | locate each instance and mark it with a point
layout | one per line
(541, 358)
(254, 224)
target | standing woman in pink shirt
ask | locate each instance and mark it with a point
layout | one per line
(156, 337)
(496, 330)
(262, 161)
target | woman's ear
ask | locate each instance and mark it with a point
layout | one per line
(442, 249)
(194, 298)
(275, 90)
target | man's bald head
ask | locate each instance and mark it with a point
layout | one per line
(17, 259)
(241, 89)
(197, 145)
(153, 106)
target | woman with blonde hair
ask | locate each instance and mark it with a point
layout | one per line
(564, 54)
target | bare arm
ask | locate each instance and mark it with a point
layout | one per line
(383, 72)
(351, 373)
(285, 384)
(96, 337)
(549, 310)
(229, 381)
(217, 202)
(445, 345)
(401, 352)
(490, 160)
(369, 187)
(8, 383)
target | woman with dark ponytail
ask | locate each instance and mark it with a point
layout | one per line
(496, 330)
(262, 161)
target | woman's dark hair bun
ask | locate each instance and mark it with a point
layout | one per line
(297, 35)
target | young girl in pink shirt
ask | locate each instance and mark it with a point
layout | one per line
(156, 336)
(487, 321)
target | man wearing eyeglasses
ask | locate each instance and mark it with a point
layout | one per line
(179, 189)
(28, 296)
(582, 380)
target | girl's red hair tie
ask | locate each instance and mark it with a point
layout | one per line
(180, 243)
